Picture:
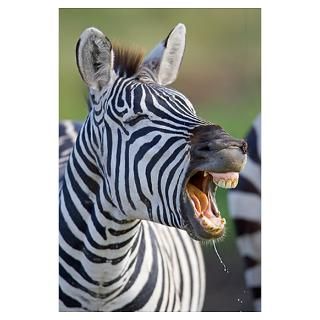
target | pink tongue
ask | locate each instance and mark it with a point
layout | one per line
(226, 176)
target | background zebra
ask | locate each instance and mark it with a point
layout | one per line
(142, 155)
(68, 132)
(245, 207)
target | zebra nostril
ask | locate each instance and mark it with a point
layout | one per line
(244, 147)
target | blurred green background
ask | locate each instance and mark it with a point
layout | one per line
(220, 72)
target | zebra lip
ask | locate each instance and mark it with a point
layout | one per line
(203, 214)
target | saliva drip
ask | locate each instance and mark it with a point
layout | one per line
(225, 269)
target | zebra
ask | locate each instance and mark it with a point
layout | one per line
(245, 208)
(138, 191)
(68, 132)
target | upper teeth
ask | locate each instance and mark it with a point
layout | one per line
(234, 183)
(227, 183)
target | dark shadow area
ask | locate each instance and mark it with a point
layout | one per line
(225, 290)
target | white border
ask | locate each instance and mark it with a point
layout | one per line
(29, 114)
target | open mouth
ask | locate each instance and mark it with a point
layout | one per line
(201, 188)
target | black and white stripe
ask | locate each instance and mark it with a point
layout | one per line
(68, 132)
(245, 208)
(124, 173)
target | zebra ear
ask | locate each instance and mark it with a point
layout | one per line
(165, 59)
(94, 58)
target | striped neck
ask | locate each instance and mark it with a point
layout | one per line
(93, 240)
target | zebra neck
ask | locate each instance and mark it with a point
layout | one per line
(99, 246)
(101, 249)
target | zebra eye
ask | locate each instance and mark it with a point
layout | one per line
(135, 119)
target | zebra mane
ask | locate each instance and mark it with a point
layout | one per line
(127, 60)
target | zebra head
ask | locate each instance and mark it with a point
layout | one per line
(159, 161)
